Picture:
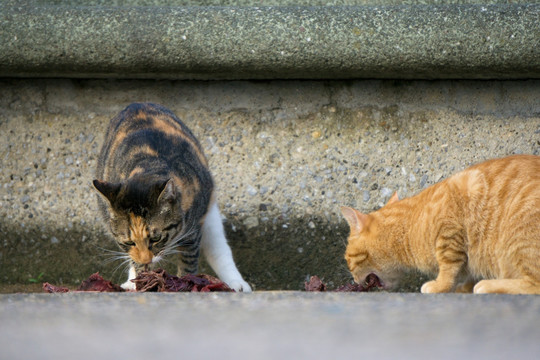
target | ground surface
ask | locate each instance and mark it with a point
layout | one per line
(269, 325)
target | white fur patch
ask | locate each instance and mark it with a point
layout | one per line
(218, 253)
(130, 285)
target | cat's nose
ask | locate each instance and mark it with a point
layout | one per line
(142, 257)
(146, 257)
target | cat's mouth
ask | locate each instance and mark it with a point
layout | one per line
(373, 281)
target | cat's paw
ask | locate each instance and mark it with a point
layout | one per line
(432, 287)
(128, 285)
(239, 285)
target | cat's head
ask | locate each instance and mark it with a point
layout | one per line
(367, 251)
(144, 214)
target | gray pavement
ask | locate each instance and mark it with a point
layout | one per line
(269, 325)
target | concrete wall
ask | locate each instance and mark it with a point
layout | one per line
(499, 41)
(285, 154)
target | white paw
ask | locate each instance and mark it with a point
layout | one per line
(128, 285)
(239, 285)
(428, 287)
(481, 288)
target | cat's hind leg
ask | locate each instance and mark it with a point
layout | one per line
(507, 286)
(218, 253)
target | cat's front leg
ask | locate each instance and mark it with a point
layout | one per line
(132, 274)
(451, 257)
(442, 284)
(218, 253)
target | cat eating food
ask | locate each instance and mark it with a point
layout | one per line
(477, 231)
(156, 195)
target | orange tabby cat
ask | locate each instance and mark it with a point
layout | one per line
(481, 223)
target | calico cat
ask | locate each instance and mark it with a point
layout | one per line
(481, 223)
(156, 195)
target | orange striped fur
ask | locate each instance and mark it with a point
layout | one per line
(478, 230)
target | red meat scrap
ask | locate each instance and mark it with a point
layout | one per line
(158, 281)
(96, 282)
(315, 284)
(54, 289)
(372, 282)
(161, 281)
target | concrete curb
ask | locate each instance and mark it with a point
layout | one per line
(336, 42)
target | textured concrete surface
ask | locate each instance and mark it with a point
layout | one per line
(285, 154)
(500, 41)
(277, 2)
(269, 326)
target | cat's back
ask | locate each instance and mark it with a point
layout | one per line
(519, 167)
(147, 130)
(503, 202)
(503, 178)
(138, 116)
(513, 185)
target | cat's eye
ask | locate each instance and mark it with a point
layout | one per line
(129, 243)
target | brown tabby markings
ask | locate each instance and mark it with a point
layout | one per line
(162, 124)
(143, 150)
(166, 126)
(191, 189)
(119, 139)
(154, 186)
(482, 223)
(137, 171)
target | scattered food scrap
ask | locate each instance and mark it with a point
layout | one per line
(96, 282)
(54, 289)
(161, 281)
(315, 284)
(372, 282)
(147, 281)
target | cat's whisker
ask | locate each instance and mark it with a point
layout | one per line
(165, 253)
(125, 264)
(181, 239)
(111, 252)
(115, 258)
(164, 260)
(108, 252)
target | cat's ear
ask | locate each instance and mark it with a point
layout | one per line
(393, 199)
(357, 221)
(108, 190)
(168, 192)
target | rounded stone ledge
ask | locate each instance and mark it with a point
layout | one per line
(499, 41)
(275, 2)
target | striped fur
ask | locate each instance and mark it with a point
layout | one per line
(155, 186)
(480, 226)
